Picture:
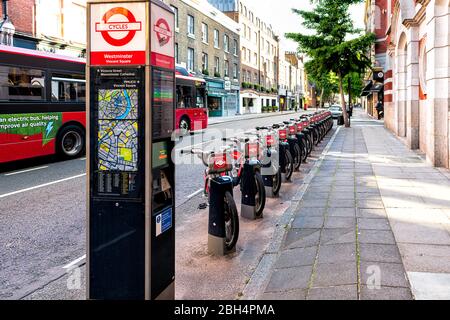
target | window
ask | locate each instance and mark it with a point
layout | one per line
(216, 65)
(235, 47)
(235, 71)
(249, 33)
(204, 32)
(190, 59)
(255, 58)
(244, 28)
(226, 68)
(216, 38)
(68, 88)
(175, 10)
(249, 55)
(21, 84)
(204, 62)
(256, 37)
(268, 47)
(244, 54)
(226, 43)
(176, 53)
(185, 97)
(190, 22)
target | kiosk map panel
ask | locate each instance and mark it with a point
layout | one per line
(117, 109)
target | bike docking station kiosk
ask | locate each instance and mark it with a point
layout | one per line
(131, 176)
(248, 186)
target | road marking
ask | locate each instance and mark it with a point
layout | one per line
(23, 171)
(194, 194)
(77, 262)
(82, 159)
(41, 185)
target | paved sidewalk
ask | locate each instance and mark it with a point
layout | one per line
(374, 223)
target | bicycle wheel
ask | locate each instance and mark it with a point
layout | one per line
(276, 183)
(231, 221)
(260, 197)
(297, 157)
(289, 165)
(310, 142)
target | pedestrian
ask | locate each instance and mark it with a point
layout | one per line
(380, 110)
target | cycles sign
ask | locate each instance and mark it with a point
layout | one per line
(129, 28)
(118, 34)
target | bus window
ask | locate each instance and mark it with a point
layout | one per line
(201, 93)
(21, 84)
(68, 88)
(185, 97)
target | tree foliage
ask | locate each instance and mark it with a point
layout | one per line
(331, 48)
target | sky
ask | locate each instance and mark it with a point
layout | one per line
(279, 14)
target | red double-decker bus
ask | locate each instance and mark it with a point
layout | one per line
(191, 109)
(43, 104)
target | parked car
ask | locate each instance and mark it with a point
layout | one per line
(336, 111)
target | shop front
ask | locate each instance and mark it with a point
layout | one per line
(282, 98)
(231, 99)
(216, 97)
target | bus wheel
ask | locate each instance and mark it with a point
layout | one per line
(71, 142)
(184, 126)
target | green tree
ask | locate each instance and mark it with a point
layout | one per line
(356, 84)
(326, 83)
(330, 47)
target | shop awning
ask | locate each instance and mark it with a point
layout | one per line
(377, 87)
(366, 90)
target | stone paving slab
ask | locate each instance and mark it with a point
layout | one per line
(430, 286)
(375, 213)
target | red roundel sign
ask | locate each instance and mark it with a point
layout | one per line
(163, 32)
(129, 27)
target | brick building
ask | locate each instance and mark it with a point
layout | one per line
(48, 25)
(21, 16)
(260, 51)
(207, 44)
(416, 73)
(379, 78)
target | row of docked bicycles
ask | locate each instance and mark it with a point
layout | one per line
(257, 162)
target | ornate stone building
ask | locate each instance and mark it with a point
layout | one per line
(417, 75)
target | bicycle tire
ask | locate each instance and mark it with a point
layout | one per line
(261, 203)
(231, 217)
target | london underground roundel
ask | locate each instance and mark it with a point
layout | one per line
(129, 27)
(118, 35)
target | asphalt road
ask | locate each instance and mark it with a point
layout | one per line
(42, 209)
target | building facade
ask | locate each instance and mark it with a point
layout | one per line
(290, 87)
(48, 25)
(17, 23)
(376, 20)
(259, 46)
(417, 74)
(207, 44)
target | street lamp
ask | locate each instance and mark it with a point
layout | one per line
(7, 29)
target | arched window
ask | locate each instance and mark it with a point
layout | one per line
(423, 67)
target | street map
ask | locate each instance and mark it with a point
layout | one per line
(118, 130)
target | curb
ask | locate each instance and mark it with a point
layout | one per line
(260, 277)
